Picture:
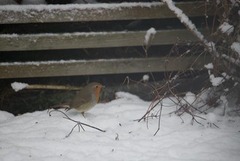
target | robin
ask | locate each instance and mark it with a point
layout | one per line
(85, 99)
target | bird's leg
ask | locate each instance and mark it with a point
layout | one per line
(83, 114)
(67, 108)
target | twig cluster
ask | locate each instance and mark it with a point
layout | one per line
(183, 106)
(226, 63)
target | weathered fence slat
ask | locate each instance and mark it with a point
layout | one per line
(14, 42)
(103, 66)
(95, 12)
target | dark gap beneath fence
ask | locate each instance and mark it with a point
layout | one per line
(100, 53)
(87, 54)
(34, 100)
(126, 25)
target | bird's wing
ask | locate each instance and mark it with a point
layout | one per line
(79, 99)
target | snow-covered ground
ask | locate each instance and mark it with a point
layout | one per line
(38, 136)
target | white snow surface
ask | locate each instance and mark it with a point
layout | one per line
(17, 86)
(209, 66)
(211, 117)
(38, 136)
(145, 78)
(6, 2)
(149, 35)
(5, 116)
(226, 28)
(189, 98)
(216, 81)
(24, 8)
(236, 47)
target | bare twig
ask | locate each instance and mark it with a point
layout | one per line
(53, 87)
(151, 107)
(159, 120)
(78, 123)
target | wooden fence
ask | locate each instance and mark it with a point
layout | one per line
(76, 40)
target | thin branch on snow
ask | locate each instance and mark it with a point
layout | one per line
(78, 123)
(159, 120)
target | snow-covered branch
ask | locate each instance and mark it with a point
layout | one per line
(210, 46)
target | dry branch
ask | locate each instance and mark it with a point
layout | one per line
(78, 124)
(17, 86)
(53, 87)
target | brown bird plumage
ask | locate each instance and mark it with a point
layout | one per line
(87, 97)
(84, 99)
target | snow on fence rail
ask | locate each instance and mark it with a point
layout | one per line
(102, 66)
(94, 12)
(26, 42)
(13, 14)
